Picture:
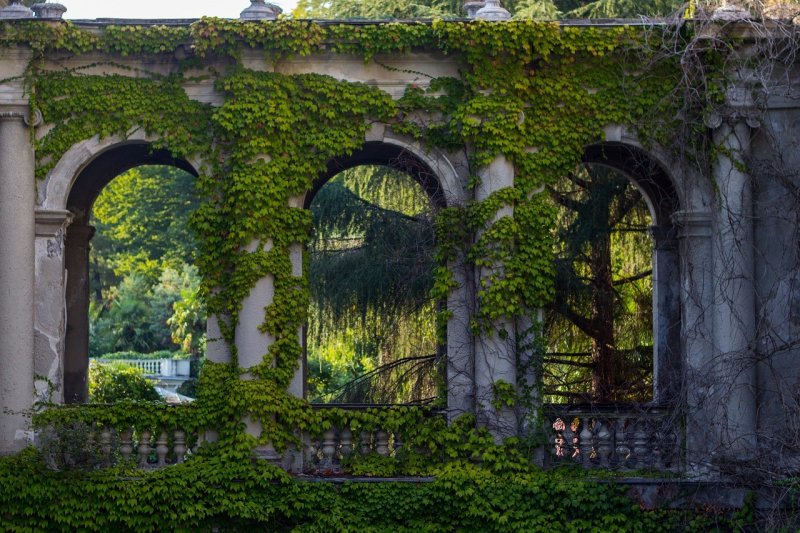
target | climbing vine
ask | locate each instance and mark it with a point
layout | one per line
(533, 93)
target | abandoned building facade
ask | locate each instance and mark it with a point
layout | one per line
(726, 262)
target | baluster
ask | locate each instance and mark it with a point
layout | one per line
(126, 444)
(105, 446)
(558, 438)
(180, 446)
(91, 437)
(398, 443)
(311, 454)
(144, 448)
(640, 445)
(382, 443)
(328, 448)
(576, 422)
(365, 442)
(586, 443)
(346, 441)
(568, 436)
(658, 463)
(604, 448)
(623, 450)
(162, 449)
(669, 456)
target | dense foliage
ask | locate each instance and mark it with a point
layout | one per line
(372, 324)
(144, 288)
(217, 494)
(113, 382)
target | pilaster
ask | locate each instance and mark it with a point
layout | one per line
(17, 234)
(50, 307)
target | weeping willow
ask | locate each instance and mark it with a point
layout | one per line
(599, 329)
(371, 334)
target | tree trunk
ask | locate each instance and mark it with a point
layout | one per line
(603, 350)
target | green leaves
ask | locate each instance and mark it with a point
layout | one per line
(534, 93)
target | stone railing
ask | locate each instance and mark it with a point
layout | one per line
(168, 368)
(79, 445)
(324, 453)
(613, 437)
(608, 437)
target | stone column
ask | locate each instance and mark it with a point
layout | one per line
(667, 365)
(76, 343)
(17, 235)
(495, 350)
(50, 309)
(697, 279)
(217, 350)
(734, 302)
(251, 343)
(460, 353)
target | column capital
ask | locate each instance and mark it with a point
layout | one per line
(50, 222)
(12, 113)
(692, 223)
(732, 115)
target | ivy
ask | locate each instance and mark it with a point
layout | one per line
(533, 93)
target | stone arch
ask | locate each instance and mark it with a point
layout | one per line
(437, 175)
(658, 187)
(431, 169)
(72, 186)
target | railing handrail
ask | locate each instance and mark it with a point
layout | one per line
(365, 406)
(155, 367)
(608, 410)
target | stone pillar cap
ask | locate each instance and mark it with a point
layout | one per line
(15, 10)
(730, 13)
(472, 7)
(261, 10)
(493, 11)
(48, 10)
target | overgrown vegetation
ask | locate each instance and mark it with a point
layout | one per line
(215, 493)
(372, 335)
(533, 93)
(498, 108)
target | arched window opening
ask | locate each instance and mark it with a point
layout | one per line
(135, 322)
(599, 328)
(144, 306)
(372, 329)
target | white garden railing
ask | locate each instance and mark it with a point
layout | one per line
(165, 368)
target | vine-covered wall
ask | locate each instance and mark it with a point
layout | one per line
(533, 94)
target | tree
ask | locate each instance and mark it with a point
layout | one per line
(372, 327)
(145, 293)
(141, 221)
(601, 318)
(536, 9)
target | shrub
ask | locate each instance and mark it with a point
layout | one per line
(109, 383)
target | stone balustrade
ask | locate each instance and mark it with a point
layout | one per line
(613, 437)
(604, 437)
(84, 446)
(178, 368)
(325, 453)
